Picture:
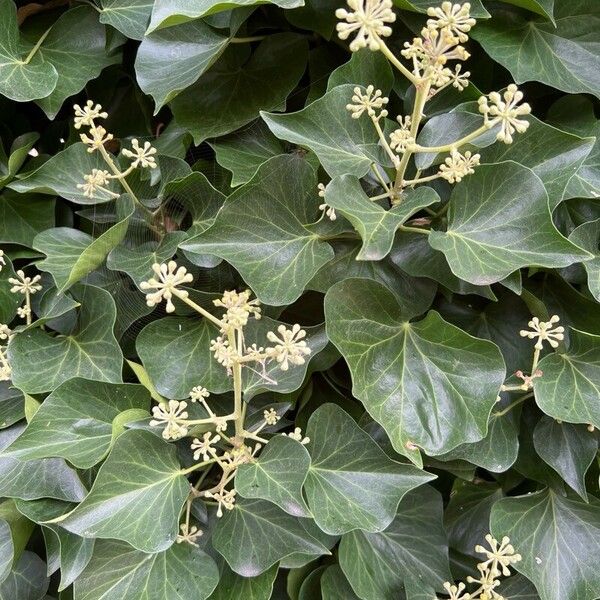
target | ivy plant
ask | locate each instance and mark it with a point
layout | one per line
(299, 300)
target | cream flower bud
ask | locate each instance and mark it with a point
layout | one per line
(506, 110)
(367, 19)
(169, 277)
(371, 102)
(141, 155)
(85, 116)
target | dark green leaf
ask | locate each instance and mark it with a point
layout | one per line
(24, 216)
(130, 17)
(27, 581)
(587, 236)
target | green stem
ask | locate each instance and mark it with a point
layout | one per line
(28, 306)
(421, 179)
(197, 308)
(457, 144)
(518, 401)
(198, 466)
(392, 58)
(384, 142)
(536, 358)
(36, 47)
(413, 229)
(246, 40)
(380, 178)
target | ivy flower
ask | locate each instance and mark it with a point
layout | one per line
(97, 179)
(327, 210)
(460, 81)
(371, 101)
(506, 110)
(5, 372)
(224, 354)
(297, 435)
(98, 139)
(204, 447)
(4, 331)
(456, 18)
(24, 285)
(173, 418)
(271, 417)
(142, 155)
(458, 165)
(239, 308)
(455, 591)
(290, 347)
(367, 18)
(401, 138)
(169, 277)
(198, 393)
(189, 534)
(2, 259)
(85, 116)
(500, 553)
(544, 331)
(23, 312)
(224, 498)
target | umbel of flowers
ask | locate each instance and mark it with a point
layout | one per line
(429, 57)
(217, 446)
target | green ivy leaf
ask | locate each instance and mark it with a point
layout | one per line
(24, 217)
(335, 586)
(75, 421)
(182, 572)
(76, 46)
(196, 46)
(254, 524)
(90, 351)
(11, 405)
(415, 294)
(565, 56)
(60, 175)
(390, 358)
(9, 302)
(6, 550)
(18, 153)
(499, 221)
(376, 564)
(130, 17)
(21, 80)
(345, 463)
(144, 470)
(243, 152)
(167, 13)
(569, 449)
(364, 66)
(207, 109)
(376, 225)
(344, 145)
(231, 585)
(558, 539)
(541, 7)
(262, 231)
(587, 236)
(72, 254)
(477, 9)
(137, 262)
(27, 580)
(277, 476)
(570, 385)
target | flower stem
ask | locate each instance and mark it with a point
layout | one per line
(197, 308)
(518, 401)
(392, 58)
(457, 144)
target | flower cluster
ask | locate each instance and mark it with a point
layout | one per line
(96, 139)
(26, 286)
(165, 285)
(5, 370)
(327, 210)
(544, 331)
(367, 19)
(439, 42)
(499, 556)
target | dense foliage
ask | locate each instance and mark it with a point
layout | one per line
(259, 338)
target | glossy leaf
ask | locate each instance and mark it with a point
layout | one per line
(80, 413)
(24, 217)
(130, 17)
(499, 221)
(345, 463)
(27, 581)
(136, 496)
(587, 236)
(558, 540)
(272, 248)
(389, 358)
(91, 351)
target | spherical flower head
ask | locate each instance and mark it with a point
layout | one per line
(401, 139)
(2, 259)
(506, 110)
(271, 417)
(5, 372)
(371, 102)
(239, 308)
(97, 179)
(23, 311)
(198, 393)
(4, 331)
(173, 417)
(458, 165)
(455, 592)
(141, 155)
(500, 553)
(460, 81)
(98, 138)
(85, 116)
(189, 535)
(24, 285)
(224, 498)
(204, 447)
(456, 18)
(297, 435)
(169, 277)
(290, 347)
(544, 331)
(367, 19)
